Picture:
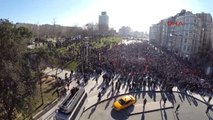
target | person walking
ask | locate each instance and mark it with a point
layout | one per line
(144, 102)
(78, 82)
(118, 89)
(112, 84)
(96, 79)
(99, 96)
(208, 108)
(68, 85)
(177, 108)
(66, 78)
(70, 76)
(116, 85)
(210, 98)
(130, 89)
(164, 101)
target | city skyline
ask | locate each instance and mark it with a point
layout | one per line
(138, 14)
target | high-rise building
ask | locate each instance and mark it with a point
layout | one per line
(103, 22)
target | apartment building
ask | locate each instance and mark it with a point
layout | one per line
(206, 32)
(153, 34)
(185, 33)
(188, 34)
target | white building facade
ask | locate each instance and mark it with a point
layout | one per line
(188, 35)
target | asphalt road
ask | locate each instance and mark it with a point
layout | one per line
(190, 109)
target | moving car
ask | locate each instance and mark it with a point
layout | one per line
(124, 102)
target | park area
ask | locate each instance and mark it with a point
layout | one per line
(49, 94)
(46, 92)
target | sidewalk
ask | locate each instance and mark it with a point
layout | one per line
(50, 113)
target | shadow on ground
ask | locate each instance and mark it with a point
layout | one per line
(123, 114)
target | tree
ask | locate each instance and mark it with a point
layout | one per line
(15, 75)
(90, 29)
(40, 58)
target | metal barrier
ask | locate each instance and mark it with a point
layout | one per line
(72, 104)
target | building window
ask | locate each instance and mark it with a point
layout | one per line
(189, 27)
(191, 20)
(184, 48)
(185, 40)
(188, 19)
(188, 48)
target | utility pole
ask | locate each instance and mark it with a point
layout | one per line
(54, 24)
(37, 42)
(38, 29)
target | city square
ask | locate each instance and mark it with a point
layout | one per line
(106, 60)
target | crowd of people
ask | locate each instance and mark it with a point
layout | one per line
(143, 64)
(138, 66)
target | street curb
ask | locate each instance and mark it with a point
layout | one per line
(136, 113)
(141, 92)
(46, 108)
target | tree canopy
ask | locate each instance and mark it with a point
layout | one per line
(15, 76)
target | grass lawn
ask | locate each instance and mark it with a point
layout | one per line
(48, 89)
(72, 65)
(107, 41)
(62, 50)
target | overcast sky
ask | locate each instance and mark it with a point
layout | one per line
(138, 14)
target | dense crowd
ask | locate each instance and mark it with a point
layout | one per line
(142, 63)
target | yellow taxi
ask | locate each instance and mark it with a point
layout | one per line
(124, 102)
